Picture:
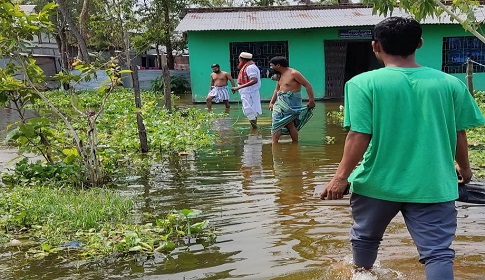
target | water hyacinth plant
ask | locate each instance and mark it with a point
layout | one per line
(168, 132)
(94, 222)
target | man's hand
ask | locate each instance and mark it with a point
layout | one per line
(465, 174)
(335, 189)
(234, 89)
(311, 104)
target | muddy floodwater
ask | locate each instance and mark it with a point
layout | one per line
(259, 199)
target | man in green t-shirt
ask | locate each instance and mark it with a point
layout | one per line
(407, 124)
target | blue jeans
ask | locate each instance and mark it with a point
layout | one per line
(431, 225)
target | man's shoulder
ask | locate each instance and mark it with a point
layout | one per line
(253, 66)
(366, 76)
(293, 71)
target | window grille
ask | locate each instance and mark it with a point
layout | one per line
(262, 54)
(456, 50)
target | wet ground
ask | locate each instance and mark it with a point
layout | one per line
(259, 198)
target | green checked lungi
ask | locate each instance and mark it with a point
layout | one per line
(288, 108)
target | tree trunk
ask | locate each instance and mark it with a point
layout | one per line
(166, 84)
(142, 133)
(95, 172)
(170, 57)
(168, 34)
(72, 27)
(126, 38)
(61, 40)
(469, 75)
(83, 18)
(159, 58)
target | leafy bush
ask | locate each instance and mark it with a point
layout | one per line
(168, 132)
(58, 174)
(178, 84)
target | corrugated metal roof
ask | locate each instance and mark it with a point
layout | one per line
(28, 9)
(245, 19)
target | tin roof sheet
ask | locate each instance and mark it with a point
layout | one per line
(28, 8)
(297, 18)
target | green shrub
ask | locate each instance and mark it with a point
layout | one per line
(179, 84)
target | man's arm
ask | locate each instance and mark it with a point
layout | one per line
(229, 77)
(461, 157)
(309, 89)
(273, 98)
(252, 80)
(212, 83)
(356, 144)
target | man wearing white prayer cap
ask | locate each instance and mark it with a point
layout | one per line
(249, 83)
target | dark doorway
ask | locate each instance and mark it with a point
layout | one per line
(343, 60)
(360, 58)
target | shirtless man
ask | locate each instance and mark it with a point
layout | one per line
(288, 115)
(218, 87)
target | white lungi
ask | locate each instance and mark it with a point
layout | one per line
(219, 93)
(251, 104)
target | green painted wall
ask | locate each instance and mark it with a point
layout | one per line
(306, 54)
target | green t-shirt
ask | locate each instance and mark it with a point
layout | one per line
(413, 115)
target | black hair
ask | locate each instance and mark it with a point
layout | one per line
(398, 35)
(215, 65)
(281, 60)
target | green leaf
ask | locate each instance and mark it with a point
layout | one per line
(146, 246)
(46, 247)
(12, 135)
(40, 121)
(194, 214)
(48, 7)
(27, 130)
(185, 212)
(70, 152)
(3, 98)
(137, 248)
(167, 246)
(198, 227)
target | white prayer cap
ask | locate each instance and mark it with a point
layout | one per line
(246, 55)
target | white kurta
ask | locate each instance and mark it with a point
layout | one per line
(250, 98)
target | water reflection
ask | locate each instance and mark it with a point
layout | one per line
(259, 199)
(289, 168)
(252, 159)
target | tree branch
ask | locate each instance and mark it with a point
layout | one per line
(461, 21)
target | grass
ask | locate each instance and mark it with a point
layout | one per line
(97, 220)
(59, 212)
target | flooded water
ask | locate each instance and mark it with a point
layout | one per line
(259, 199)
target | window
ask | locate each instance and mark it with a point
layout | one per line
(262, 54)
(456, 50)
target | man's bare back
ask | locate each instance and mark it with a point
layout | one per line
(287, 81)
(220, 79)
